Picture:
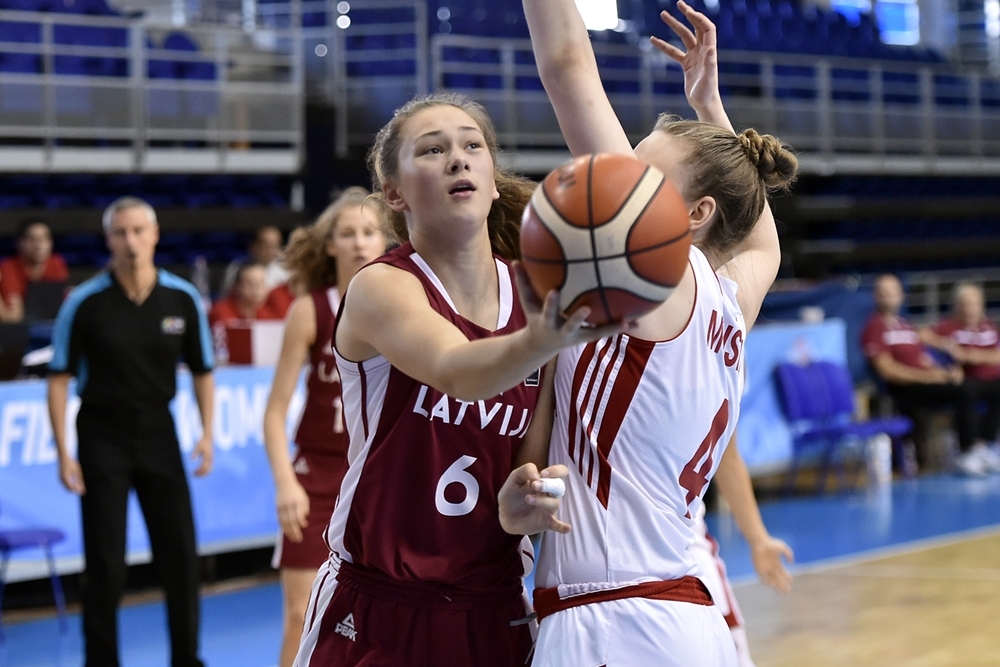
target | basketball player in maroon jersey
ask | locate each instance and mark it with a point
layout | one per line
(643, 419)
(322, 259)
(440, 365)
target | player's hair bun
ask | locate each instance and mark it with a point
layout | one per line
(775, 163)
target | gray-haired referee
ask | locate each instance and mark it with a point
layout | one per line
(122, 334)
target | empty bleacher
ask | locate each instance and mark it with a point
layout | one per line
(870, 224)
(85, 88)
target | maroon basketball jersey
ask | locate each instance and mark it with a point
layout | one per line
(419, 500)
(321, 428)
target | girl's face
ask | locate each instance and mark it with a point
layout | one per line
(445, 173)
(356, 239)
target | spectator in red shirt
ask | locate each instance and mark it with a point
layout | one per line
(974, 341)
(34, 262)
(246, 301)
(280, 300)
(912, 377)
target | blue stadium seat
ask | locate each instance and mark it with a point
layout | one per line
(8, 201)
(818, 400)
(20, 63)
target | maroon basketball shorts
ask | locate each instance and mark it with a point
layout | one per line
(320, 474)
(374, 624)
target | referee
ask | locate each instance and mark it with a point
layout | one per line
(122, 334)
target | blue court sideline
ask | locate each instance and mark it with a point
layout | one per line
(243, 628)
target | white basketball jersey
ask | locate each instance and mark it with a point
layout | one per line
(642, 426)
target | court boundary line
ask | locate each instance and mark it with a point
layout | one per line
(856, 558)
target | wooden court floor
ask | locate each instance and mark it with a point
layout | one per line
(929, 607)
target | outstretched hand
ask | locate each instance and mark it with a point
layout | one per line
(524, 509)
(700, 59)
(549, 328)
(767, 557)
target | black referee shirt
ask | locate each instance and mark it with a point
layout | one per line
(124, 355)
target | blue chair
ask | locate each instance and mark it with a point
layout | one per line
(33, 538)
(818, 400)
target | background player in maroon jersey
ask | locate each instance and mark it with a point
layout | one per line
(430, 336)
(322, 259)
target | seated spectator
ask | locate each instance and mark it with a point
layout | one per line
(972, 340)
(280, 300)
(247, 299)
(34, 262)
(265, 249)
(914, 380)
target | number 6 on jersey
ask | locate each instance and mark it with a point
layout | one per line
(457, 473)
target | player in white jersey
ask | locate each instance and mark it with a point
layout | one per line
(641, 420)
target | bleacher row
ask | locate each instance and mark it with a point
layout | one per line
(174, 249)
(88, 60)
(161, 191)
(871, 224)
(782, 26)
(882, 187)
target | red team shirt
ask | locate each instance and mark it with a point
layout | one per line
(419, 502)
(225, 311)
(984, 336)
(14, 277)
(897, 337)
(321, 441)
(421, 572)
(321, 428)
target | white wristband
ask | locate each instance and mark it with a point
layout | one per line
(553, 486)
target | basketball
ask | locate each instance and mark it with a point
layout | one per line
(609, 232)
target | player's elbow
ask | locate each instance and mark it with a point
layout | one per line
(467, 390)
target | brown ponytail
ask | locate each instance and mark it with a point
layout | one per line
(776, 165)
(737, 171)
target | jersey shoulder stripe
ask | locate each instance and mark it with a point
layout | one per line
(171, 281)
(63, 329)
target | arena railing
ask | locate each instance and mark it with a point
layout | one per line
(842, 115)
(365, 58)
(235, 104)
(930, 295)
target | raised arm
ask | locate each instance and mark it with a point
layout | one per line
(568, 69)
(754, 263)
(700, 63)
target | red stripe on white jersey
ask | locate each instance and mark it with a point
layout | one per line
(607, 382)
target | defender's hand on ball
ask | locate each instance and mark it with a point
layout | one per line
(549, 328)
(525, 507)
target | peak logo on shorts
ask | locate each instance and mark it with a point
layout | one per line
(346, 628)
(172, 326)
